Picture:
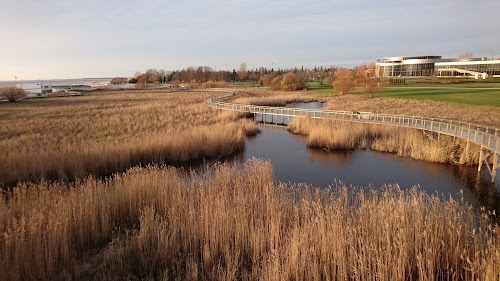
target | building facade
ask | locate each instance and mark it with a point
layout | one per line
(421, 66)
(31, 89)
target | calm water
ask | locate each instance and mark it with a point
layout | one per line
(293, 161)
(284, 120)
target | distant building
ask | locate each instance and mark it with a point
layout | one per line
(31, 89)
(419, 66)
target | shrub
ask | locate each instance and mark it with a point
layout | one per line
(265, 80)
(293, 82)
(12, 94)
(288, 82)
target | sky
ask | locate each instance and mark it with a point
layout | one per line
(49, 39)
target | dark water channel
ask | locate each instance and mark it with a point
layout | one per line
(293, 161)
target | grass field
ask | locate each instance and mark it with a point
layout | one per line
(471, 94)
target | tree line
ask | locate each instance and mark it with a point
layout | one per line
(293, 79)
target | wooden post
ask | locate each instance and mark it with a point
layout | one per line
(480, 159)
(496, 165)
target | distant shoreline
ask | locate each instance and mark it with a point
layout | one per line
(88, 81)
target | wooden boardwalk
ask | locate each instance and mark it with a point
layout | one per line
(487, 138)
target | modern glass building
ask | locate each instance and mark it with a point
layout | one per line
(472, 67)
(420, 66)
(406, 66)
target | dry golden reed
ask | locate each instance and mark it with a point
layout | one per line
(406, 142)
(235, 223)
(72, 137)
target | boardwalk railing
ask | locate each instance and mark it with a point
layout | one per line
(486, 137)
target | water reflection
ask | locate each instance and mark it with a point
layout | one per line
(307, 105)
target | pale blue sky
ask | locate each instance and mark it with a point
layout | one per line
(74, 39)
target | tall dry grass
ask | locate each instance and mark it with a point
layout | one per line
(68, 138)
(405, 142)
(235, 222)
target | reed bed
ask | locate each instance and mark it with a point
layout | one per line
(233, 222)
(405, 142)
(73, 137)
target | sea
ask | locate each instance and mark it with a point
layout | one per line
(94, 82)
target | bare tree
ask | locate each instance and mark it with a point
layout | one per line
(276, 83)
(466, 55)
(366, 79)
(242, 72)
(142, 81)
(162, 75)
(321, 75)
(344, 80)
(12, 94)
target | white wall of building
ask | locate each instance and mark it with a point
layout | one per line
(31, 89)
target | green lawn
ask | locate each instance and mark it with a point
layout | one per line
(315, 85)
(473, 93)
(473, 96)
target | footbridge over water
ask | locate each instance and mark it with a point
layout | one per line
(486, 137)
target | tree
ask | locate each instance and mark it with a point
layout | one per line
(12, 94)
(286, 82)
(293, 82)
(266, 79)
(276, 83)
(242, 72)
(141, 82)
(344, 80)
(152, 76)
(365, 79)
(465, 56)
